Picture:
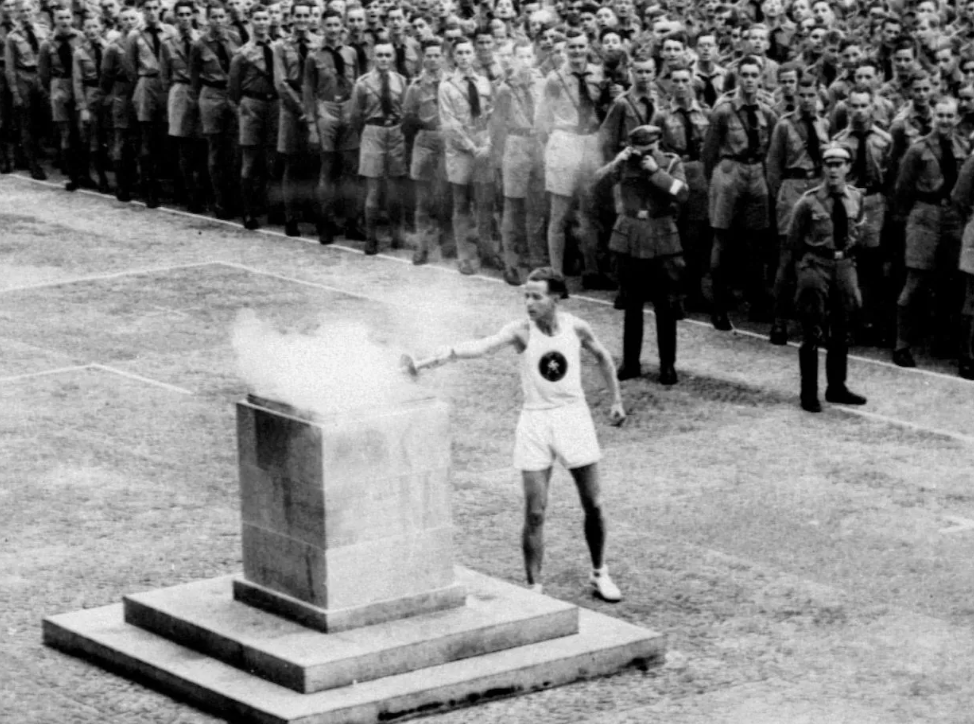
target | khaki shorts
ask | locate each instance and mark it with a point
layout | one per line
(150, 100)
(520, 163)
(933, 235)
(570, 162)
(335, 131)
(383, 152)
(216, 112)
(428, 162)
(739, 196)
(874, 210)
(258, 122)
(791, 190)
(62, 101)
(183, 111)
(565, 434)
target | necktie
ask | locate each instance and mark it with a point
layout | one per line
(302, 53)
(223, 54)
(586, 111)
(187, 45)
(752, 129)
(473, 98)
(840, 221)
(64, 55)
(924, 125)
(811, 142)
(156, 44)
(528, 101)
(385, 95)
(31, 37)
(339, 62)
(860, 170)
(268, 61)
(401, 60)
(691, 147)
(709, 90)
(647, 110)
(948, 165)
(362, 56)
(241, 31)
(98, 54)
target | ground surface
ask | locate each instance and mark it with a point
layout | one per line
(804, 568)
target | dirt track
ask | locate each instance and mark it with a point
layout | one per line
(805, 568)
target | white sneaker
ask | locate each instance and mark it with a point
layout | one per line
(603, 587)
(536, 588)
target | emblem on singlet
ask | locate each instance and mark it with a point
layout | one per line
(553, 366)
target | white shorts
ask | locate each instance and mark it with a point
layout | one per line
(565, 434)
(570, 162)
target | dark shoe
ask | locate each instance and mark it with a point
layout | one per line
(123, 194)
(71, 185)
(904, 358)
(620, 301)
(492, 261)
(966, 370)
(628, 372)
(37, 173)
(103, 186)
(223, 214)
(6, 166)
(667, 375)
(420, 257)
(291, 228)
(397, 240)
(512, 277)
(326, 233)
(598, 282)
(721, 321)
(371, 247)
(811, 404)
(251, 223)
(843, 396)
(466, 268)
(152, 200)
(778, 335)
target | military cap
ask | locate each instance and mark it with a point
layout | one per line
(645, 135)
(836, 150)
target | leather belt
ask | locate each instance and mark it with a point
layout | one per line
(180, 82)
(216, 84)
(802, 174)
(384, 122)
(266, 97)
(646, 214)
(831, 254)
(933, 199)
(747, 160)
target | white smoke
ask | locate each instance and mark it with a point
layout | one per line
(337, 367)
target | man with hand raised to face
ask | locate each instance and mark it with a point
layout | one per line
(555, 422)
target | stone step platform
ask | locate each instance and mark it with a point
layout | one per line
(203, 616)
(602, 645)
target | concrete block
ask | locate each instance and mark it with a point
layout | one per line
(205, 617)
(290, 507)
(285, 564)
(602, 645)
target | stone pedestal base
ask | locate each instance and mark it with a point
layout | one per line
(197, 643)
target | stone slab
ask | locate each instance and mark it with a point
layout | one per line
(349, 576)
(342, 619)
(603, 645)
(204, 616)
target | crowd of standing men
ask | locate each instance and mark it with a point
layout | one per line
(502, 133)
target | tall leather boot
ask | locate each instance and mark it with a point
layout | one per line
(371, 232)
(7, 158)
(123, 182)
(69, 166)
(248, 195)
(101, 168)
(666, 344)
(150, 185)
(836, 369)
(632, 341)
(965, 365)
(808, 365)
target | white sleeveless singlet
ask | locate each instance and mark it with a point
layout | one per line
(551, 372)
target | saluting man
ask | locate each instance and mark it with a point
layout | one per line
(652, 184)
(824, 229)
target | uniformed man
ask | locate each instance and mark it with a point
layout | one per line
(27, 94)
(708, 74)
(118, 88)
(734, 152)
(329, 77)
(407, 50)
(651, 186)
(522, 165)
(55, 65)
(870, 147)
(684, 122)
(963, 199)
(296, 129)
(933, 231)
(8, 120)
(421, 120)
(142, 63)
(183, 104)
(377, 112)
(253, 90)
(93, 112)
(567, 121)
(359, 40)
(794, 166)
(209, 70)
(824, 229)
(633, 108)
(466, 102)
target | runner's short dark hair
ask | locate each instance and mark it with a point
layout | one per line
(556, 282)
